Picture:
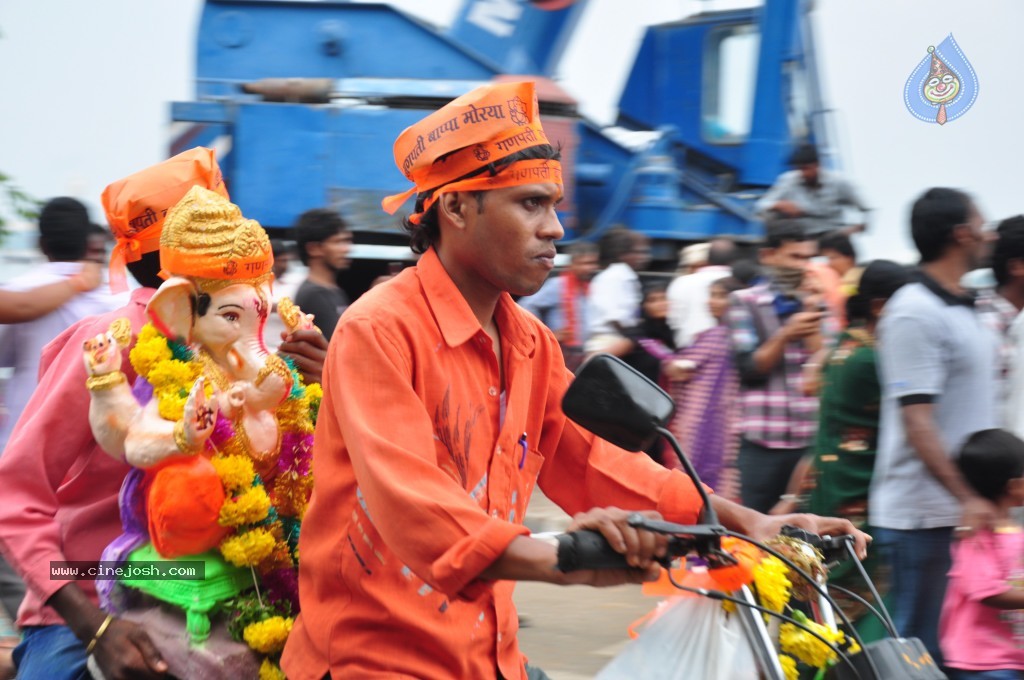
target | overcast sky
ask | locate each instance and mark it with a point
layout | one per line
(87, 85)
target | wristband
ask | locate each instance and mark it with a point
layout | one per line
(181, 441)
(99, 633)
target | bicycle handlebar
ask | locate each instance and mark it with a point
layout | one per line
(588, 549)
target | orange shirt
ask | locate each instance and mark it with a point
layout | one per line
(419, 487)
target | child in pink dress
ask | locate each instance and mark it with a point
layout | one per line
(982, 626)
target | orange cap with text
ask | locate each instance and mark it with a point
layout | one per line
(467, 134)
(137, 205)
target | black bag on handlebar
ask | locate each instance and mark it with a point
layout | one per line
(895, 658)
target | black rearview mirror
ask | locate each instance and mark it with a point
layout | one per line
(618, 403)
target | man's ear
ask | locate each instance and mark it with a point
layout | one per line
(963, 235)
(314, 249)
(453, 206)
(171, 308)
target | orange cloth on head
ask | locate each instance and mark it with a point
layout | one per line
(467, 134)
(183, 503)
(137, 205)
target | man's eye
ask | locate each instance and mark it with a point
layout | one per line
(231, 316)
(531, 203)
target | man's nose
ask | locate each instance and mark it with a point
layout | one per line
(552, 228)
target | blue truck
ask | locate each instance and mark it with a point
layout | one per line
(303, 101)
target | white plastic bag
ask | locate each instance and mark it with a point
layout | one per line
(689, 638)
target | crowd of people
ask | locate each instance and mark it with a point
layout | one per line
(812, 389)
(850, 388)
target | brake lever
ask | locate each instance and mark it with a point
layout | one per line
(833, 548)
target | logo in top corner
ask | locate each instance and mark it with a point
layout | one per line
(943, 86)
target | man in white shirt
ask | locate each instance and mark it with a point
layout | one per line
(613, 303)
(688, 313)
(64, 229)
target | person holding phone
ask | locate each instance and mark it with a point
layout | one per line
(776, 328)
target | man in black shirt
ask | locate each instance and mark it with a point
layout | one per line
(323, 242)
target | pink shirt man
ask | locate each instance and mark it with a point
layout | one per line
(59, 500)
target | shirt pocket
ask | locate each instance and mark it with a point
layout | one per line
(528, 468)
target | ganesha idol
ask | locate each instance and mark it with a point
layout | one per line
(217, 429)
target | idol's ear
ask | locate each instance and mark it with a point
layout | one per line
(172, 309)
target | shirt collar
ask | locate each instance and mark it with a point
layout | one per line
(965, 300)
(456, 320)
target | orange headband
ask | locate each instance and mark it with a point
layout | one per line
(137, 205)
(480, 127)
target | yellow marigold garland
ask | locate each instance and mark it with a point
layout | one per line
(235, 472)
(171, 372)
(269, 635)
(249, 507)
(150, 349)
(248, 549)
(271, 671)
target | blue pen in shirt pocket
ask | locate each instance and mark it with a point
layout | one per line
(522, 456)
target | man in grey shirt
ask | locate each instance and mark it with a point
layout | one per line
(814, 197)
(937, 366)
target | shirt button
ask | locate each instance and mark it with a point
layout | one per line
(498, 450)
(494, 513)
(493, 391)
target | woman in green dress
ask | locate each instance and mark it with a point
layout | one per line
(839, 472)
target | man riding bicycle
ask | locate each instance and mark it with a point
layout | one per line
(441, 412)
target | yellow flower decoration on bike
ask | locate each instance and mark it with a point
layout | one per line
(772, 582)
(789, 667)
(808, 648)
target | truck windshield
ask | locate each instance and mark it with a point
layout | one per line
(729, 83)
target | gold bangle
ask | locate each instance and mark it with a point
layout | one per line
(181, 441)
(99, 633)
(98, 383)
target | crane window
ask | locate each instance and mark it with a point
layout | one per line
(730, 73)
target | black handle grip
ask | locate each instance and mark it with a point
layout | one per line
(586, 549)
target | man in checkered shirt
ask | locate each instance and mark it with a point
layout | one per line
(776, 326)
